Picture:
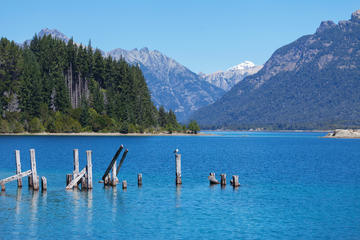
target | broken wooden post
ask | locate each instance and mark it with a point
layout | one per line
(139, 179)
(35, 181)
(121, 161)
(114, 180)
(223, 179)
(76, 164)
(83, 183)
(15, 177)
(178, 167)
(75, 180)
(112, 162)
(43, 184)
(212, 179)
(235, 181)
(89, 169)
(30, 181)
(69, 178)
(124, 184)
(18, 167)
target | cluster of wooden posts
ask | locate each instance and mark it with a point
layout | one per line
(33, 178)
(84, 177)
(234, 180)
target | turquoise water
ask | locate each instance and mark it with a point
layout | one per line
(293, 186)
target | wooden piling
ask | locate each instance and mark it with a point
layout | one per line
(112, 162)
(114, 180)
(43, 184)
(33, 170)
(76, 165)
(69, 178)
(3, 187)
(212, 179)
(124, 184)
(121, 161)
(18, 167)
(223, 179)
(139, 179)
(235, 181)
(89, 169)
(30, 184)
(83, 183)
(178, 168)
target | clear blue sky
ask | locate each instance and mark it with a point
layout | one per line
(203, 35)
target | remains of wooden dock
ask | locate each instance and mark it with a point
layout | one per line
(177, 167)
(33, 178)
(84, 177)
(112, 179)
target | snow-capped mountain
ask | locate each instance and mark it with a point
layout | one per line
(227, 79)
(171, 84)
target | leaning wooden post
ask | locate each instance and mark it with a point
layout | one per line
(139, 179)
(121, 161)
(18, 167)
(89, 169)
(235, 181)
(35, 181)
(112, 162)
(223, 179)
(43, 184)
(178, 168)
(76, 165)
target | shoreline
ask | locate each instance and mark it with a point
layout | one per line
(94, 134)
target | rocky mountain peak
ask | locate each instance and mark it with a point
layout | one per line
(325, 25)
(54, 33)
(355, 16)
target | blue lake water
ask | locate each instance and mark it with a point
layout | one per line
(293, 186)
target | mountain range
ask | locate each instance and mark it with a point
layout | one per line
(311, 83)
(172, 85)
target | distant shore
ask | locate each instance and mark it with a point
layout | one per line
(344, 133)
(104, 134)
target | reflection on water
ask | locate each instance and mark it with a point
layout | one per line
(178, 196)
(34, 212)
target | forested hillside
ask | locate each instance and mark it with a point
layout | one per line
(50, 85)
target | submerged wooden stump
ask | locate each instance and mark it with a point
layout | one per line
(124, 184)
(223, 179)
(212, 179)
(139, 179)
(235, 181)
(43, 184)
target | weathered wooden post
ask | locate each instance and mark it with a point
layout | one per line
(223, 179)
(18, 167)
(76, 165)
(69, 178)
(121, 161)
(235, 181)
(139, 179)
(124, 184)
(89, 169)
(43, 184)
(178, 167)
(3, 187)
(30, 184)
(83, 183)
(33, 170)
(212, 179)
(114, 178)
(112, 162)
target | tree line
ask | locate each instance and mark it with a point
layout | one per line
(53, 86)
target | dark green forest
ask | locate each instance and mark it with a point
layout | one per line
(53, 86)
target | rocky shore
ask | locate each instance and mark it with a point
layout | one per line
(344, 133)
